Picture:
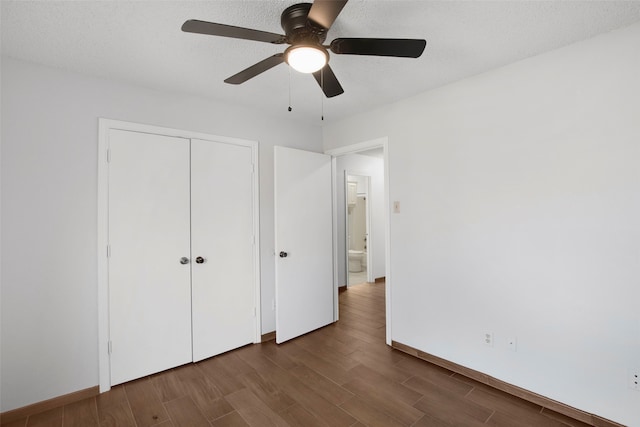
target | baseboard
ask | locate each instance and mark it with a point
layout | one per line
(269, 336)
(45, 405)
(513, 390)
(380, 279)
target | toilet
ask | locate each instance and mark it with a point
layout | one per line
(355, 261)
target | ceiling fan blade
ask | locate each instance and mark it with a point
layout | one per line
(213, 29)
(328, 82)
(325, 12)
(401, 48)
(256, 69)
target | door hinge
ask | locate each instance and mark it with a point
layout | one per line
(108, 155)
(108, 251)
(109, 347)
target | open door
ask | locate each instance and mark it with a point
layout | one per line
(303, 242)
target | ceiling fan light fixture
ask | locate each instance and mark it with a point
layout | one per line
(306, 58)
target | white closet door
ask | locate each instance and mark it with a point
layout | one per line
(222, 235)
(149, 289)
(304, 244)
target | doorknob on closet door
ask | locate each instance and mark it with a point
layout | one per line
(200, 260)
(184, 260)
(283, 254)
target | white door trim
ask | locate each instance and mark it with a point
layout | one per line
(104, 125)
(354, 149)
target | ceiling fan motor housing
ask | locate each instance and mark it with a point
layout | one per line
(299, 29)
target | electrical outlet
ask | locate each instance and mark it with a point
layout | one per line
(273, 305)
(512, 343)
(488, 339)
(396, 207)
(634, 379)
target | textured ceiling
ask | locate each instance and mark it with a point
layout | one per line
(140, 42)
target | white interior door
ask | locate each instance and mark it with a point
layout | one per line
(222, 245)
(149, 288)
(303, 232)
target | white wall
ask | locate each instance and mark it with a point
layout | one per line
(369, 166)
(49, 217)
(520, 196)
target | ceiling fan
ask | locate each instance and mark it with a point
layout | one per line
(305, 26)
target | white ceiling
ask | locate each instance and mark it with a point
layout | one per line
(140, 42)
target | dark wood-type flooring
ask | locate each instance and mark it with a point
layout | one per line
(341, 375)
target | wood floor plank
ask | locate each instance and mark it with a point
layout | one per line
(313, 402)
(113, 409)
(377, 380)
(232, 363)
(166, 423)
(385, 400)
(267, 391)
(184, 413)
(216, 409)
(333, 371)
(386, 369)
(499, 419)
(169, 386)
(427, 371)
(50, 418)
(324, 340)
(257, 359)
(321, 385)
(271, 351)
(450, 384)
(145, 403)
(359, 335)
(511, 409)
(202, 391)
(83, 413)
(429, 421)
(218, 375)
(369, 415)
(232, 419)
(563, 418)
(16, 423)
(453, 409)
(296, 415)
(254, 411)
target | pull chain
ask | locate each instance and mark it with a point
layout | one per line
(289, 109)
(322, 94)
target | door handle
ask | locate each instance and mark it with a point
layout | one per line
(283, 254)
(200, 260)
(184, 260)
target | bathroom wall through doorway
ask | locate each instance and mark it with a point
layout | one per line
(358, 225)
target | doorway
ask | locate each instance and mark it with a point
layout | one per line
(378, 247)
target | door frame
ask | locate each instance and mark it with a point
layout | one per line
(368, 226)
(383, 143)
(104, 126)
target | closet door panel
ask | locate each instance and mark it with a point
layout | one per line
(149, 289)
(222, 234)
